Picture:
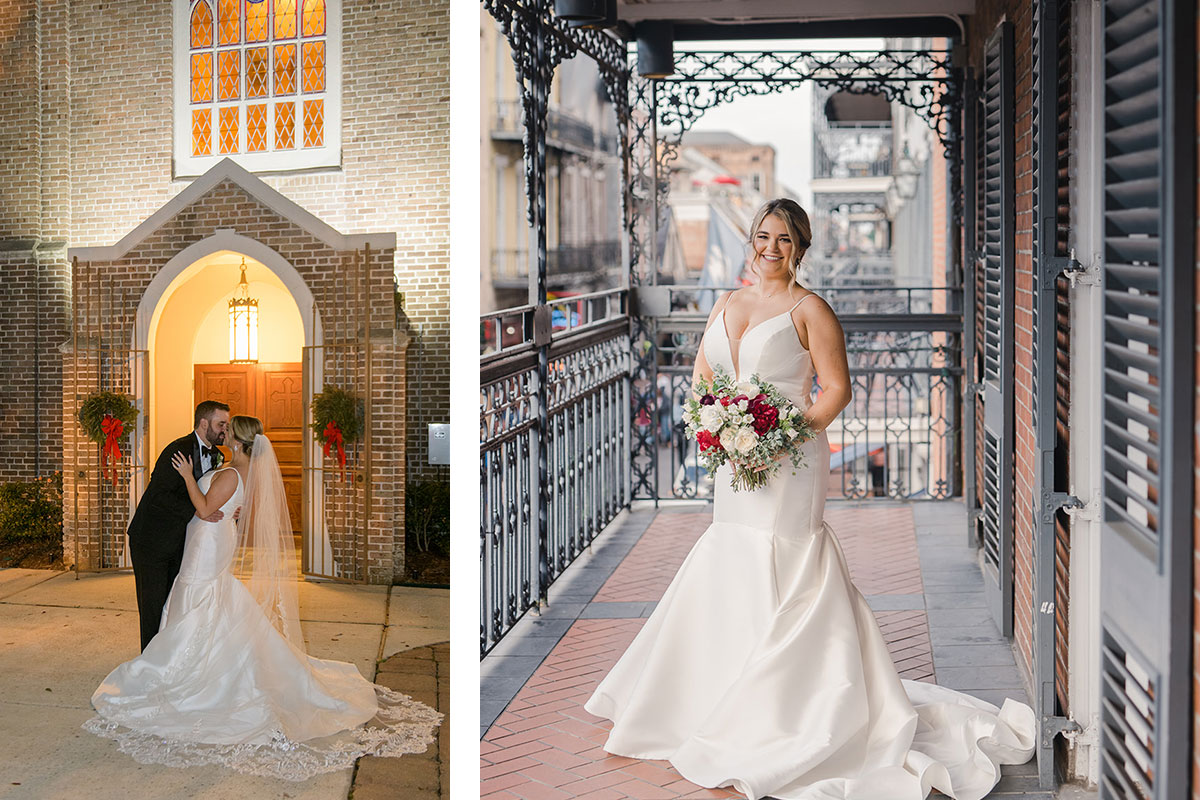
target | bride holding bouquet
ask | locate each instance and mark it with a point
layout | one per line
(762, 667)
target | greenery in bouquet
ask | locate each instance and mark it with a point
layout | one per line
(749, 424)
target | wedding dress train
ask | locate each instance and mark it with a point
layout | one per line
(219, 684)
(762, 667)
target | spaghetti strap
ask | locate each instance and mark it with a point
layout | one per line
(801, 300)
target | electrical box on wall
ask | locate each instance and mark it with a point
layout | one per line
(439, 443)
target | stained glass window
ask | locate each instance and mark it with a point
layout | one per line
(314, 17)
(258, 71)
(285, 126)
(285, 69)
(202, 132)
(285, 19)
(314, 66)
(314, 123)
(256, 128)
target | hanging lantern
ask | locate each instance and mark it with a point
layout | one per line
(243, 324)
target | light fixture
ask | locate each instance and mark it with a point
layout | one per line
(905, 174)
(608, 20)
(243, 323)
(579, 10)
(656, 48)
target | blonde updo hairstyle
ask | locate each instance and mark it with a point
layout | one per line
(799, 229)
(244, 430)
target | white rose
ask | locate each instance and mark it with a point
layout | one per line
(710, 418)
(727, 438)
(745, 441)
(748, 388)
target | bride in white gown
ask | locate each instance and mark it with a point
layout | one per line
(762, 667)
(226, 680)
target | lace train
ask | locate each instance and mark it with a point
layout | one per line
(401, 726)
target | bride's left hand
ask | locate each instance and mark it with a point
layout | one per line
(182, 464)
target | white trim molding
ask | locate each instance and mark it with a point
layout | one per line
(228, 169)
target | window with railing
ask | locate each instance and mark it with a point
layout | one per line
(258, 81)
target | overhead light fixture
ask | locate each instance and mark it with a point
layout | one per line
(579, 10)
(243, 323)
(656, 48)
(608, 20)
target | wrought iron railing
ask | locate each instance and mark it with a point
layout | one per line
(585, 443)
(901, 435)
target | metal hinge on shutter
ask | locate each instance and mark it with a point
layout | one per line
(1052, 502)
(1054, 266)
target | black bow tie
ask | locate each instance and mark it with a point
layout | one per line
(208, 451)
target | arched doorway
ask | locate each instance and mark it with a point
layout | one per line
(189, 360)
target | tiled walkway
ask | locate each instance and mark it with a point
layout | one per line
(539, 743)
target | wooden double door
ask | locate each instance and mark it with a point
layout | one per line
(274, 394)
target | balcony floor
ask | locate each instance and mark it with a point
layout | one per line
(911, 561)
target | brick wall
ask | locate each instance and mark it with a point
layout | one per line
(85, 106)
(1025, 460)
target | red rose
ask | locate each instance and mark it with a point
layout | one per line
(708, 440)
(725, 401)
(765, 417)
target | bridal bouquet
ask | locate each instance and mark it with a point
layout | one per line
(748, 423)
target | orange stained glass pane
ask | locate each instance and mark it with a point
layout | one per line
(285, 19)
(314, 66)
(285, 126)
(256, 21)
(314, 123)
(202, 25)
(285, 69)
(314, 18)
(229, 129)
(256, 71)
(202, 132)
(230, 29)
(228, 77)
(202, 78)
(256, 128)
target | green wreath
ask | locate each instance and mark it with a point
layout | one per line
(97, 405)
(340, 407)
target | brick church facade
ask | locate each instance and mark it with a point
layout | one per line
(147, 151)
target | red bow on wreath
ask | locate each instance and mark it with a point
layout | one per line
(333, 438)
(112, 429)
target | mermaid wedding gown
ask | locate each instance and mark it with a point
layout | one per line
(762, 667)
(219, 684)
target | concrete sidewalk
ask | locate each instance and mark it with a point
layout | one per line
(60, 636)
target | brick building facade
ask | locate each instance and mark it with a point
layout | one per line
(88, 154)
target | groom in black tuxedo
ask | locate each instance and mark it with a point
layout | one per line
(156, 532)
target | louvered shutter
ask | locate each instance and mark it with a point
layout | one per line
(1146, 539)
(1051, 342)
(995, 290)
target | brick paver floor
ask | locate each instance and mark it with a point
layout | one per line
(422, 673)
(545, 746)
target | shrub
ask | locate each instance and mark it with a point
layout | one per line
(427, 516)
(32, 510)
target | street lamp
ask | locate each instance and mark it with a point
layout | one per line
(905, 174)
(243, 324)
(579, 10)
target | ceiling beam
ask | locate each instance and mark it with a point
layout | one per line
(693, 31)
(697, 11)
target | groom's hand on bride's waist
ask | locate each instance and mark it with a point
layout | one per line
(216, 516)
